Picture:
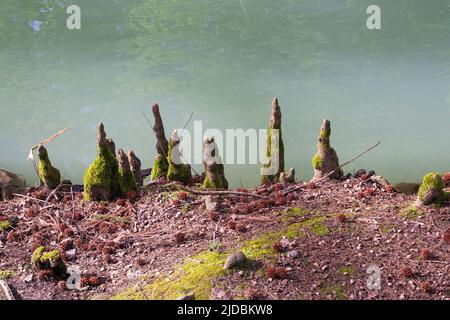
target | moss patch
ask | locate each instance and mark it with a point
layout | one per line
(317, 162)
(293, 213)
(160, 167)
(194, 276)
(347, 270)
(98, 178)
(411, 213)
(432, 181)
(335, 289)
(6, 274)
(5, 225)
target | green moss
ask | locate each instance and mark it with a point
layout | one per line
(49, 175)
(432, 181)
(336, 289)
(324, 142)
(6, 274)
(101, 178)
(37, 254)
(317, 162)
(126, 181)
(5, 225)
(160, 167)
(387, 227)
(193, 276)
(51, 256)
(293, 213)
(314, 225)
(273, 178)
(217, 182)
(261, 246)
(347, 270)
(178, 172)
(411, 213)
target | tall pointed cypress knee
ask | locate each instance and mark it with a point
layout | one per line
(160, 165)
(326, 159)
(126, 179)
(49, 175)
(102, 174)
(178, 171)
(274, 155)
(135, 165)
(214, 169)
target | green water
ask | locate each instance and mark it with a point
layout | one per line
(223, 60)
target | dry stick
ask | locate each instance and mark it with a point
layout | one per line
(56, 190)
(236, 193)
(339, 167)
(30, 198)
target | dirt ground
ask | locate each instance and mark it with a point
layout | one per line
(117, 245)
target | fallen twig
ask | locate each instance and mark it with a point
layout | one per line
(220, 192)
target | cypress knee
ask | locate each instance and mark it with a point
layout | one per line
(214, 169)
(102, 174)
(178, 171)
(50, 176)
(160, 164)
(135, 165)
(274, 154)
(326, 159)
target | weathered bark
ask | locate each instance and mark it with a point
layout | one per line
(288, 177)
(9, 184)
(50, 176)
(135, 164)
(214, 169)
(160, 165)
(274, 162)
(178, 171)
(326, 159)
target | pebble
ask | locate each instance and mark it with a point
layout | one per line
(293, 254)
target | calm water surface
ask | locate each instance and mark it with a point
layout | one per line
(223, 60)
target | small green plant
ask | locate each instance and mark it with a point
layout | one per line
(5, 225)
(411, 213)
(214, 246)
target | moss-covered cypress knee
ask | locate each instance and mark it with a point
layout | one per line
(49, 175)
(42, 259)
(274, 154)
(102, 174)
(160, 165)
(325, 160)
(178, 171)
(214, 169)
(135, 165)
(431, 190)
(126, 179)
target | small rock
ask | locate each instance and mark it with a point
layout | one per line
(234, 260)
(293, 254)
